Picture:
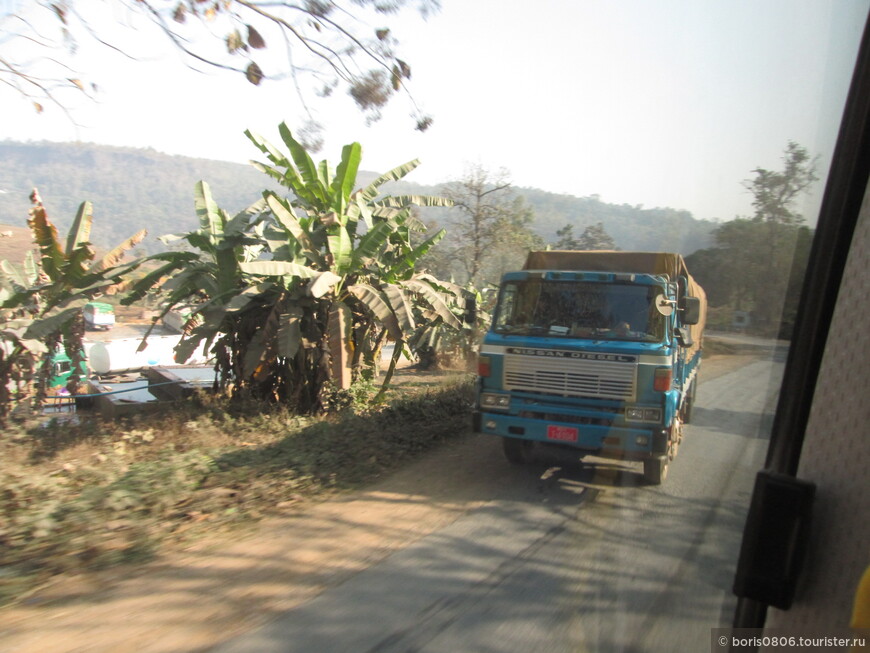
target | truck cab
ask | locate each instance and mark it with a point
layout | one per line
(596, 351)
(98, 316)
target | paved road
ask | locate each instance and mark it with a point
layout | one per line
(569, 558)
(744, 339)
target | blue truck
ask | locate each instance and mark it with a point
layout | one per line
(598, 351)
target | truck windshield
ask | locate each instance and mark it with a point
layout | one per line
(580, 309)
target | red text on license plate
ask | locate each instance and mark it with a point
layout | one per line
(562, 433)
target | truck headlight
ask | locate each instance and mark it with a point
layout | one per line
(492, 400)
(634, 414)
(640, 414)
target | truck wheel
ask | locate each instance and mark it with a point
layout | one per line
(518, 452)
(655, 470)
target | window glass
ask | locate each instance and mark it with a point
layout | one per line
(578, 309)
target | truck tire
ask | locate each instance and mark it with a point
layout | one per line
(517, 451)
(655, 470)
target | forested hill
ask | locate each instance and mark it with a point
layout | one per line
(130, 189)
(136, 188)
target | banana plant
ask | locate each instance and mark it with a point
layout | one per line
(206, 274)
(297, 293)
(19, 356)
(359, 244)
(229, 307)
(434, 341)
(43, 302)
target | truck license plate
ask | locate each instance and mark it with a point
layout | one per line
(562, 433)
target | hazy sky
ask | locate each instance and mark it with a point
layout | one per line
(665, 103)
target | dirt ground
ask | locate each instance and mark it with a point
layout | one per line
(193, 598)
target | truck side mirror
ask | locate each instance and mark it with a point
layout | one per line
(470, 311)
(690, 308)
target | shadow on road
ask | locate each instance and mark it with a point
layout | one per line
(557, 465)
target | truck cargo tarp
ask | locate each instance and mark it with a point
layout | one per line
(669, 264)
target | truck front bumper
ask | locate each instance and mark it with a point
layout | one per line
(627, 442)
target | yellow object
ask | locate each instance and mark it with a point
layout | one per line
(861, 608)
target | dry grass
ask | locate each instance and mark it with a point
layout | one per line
(83, 494)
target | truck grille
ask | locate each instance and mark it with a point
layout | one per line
(572, 378)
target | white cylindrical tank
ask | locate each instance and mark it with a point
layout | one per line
(119, 355)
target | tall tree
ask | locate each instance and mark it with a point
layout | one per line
(775, 195)
(758, 263)
(489, 218)
(776, 191)
(515, 240)
(595, 236)
(328, 42)
(565, 238)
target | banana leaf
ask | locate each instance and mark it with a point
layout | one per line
(380, 307)
(289, 335)
(400, 201)
(324, 174)
(409, 259)
(207, 211)
(45, 235)
(323, 283)
(341, 248)
(435, 299)
(278, 269)
(371, 244)
(304, 164)
(113, 257)
(290, 221)
(401, 306)
(371, 191)
(56, 318)
(243, 219)
(274, 155)
(80, 231)
(345, 177)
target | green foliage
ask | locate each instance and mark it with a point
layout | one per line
(294, 291)
(776, 191)
(758, 264)
(593, 237)
(349, 450)
(438, 346)
(43, 305)
(742, 272)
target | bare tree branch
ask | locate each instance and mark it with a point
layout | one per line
(331, 44)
